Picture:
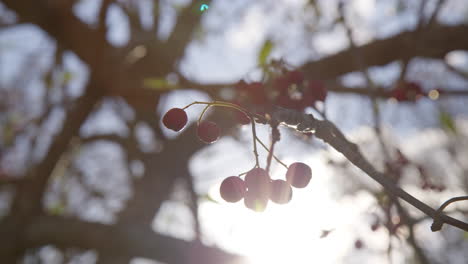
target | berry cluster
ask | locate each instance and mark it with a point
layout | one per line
(258, 188)
(289, 89)
(407, 91)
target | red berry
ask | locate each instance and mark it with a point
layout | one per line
(299, 175)
(398, 94)
(175, 119)
(281, 84)
(255, 201)
(295, 77)
(242, 118)
(281, 192)
(358, 244)
(257, 93)
(208, 132)
(258, 180)
(232, 189)
(317, 90)
(375, 226)
(285, 101)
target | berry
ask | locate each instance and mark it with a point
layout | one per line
(316, 90)
(281, 192)
(175, 119)
(407, 91)
(255, 201)
(258, 181)
(358, 244)
(295, 77)
(375, 226)
(257, 93)
(299, 175)
(208, 132)
(232, 189)
(281, 84)
(242, 118)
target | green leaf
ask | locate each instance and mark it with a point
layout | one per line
(67, 77)
(465, 235)
(265, 52)
(58, 209)
(208, 198)
(158, 84)
(447, 123)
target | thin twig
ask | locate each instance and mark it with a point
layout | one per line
(438, 223)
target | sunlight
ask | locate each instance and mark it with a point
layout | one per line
(284, 233)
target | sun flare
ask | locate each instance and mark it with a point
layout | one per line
(283, 233)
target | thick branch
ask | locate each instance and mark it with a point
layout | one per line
(432, 42)
(135, 240)
(29, 194)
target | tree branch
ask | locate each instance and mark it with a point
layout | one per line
(329, 133)
(436, 42)
(133, 239)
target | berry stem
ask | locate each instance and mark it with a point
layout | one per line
(276, 158)
(254, 138)
(244, 173)
(202, 113)
(225, 104)
(272, 147)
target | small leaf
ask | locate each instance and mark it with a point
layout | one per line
(465, 235)
(447, 123)
(158, 84)
(208, 198)
(265, 52)
(67, 77)
(58, 209)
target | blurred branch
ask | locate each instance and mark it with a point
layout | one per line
(193, 202)
(187, 21)
(30, 192)
(409, 221)
(435, 13)
(384, 148)
(421, 19)
(160, 59)
(156, 10)
(358, 58)
(103, 14)
(437, 41)
(330, 134)
(336, 87)
(460, 73)
(161, 170)
(132, 240)
(37, 178)
(9, 181)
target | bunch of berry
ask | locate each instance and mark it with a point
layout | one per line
(257, 188)
(407, 91)
(289, 90)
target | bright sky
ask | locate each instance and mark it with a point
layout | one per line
(235, 30)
